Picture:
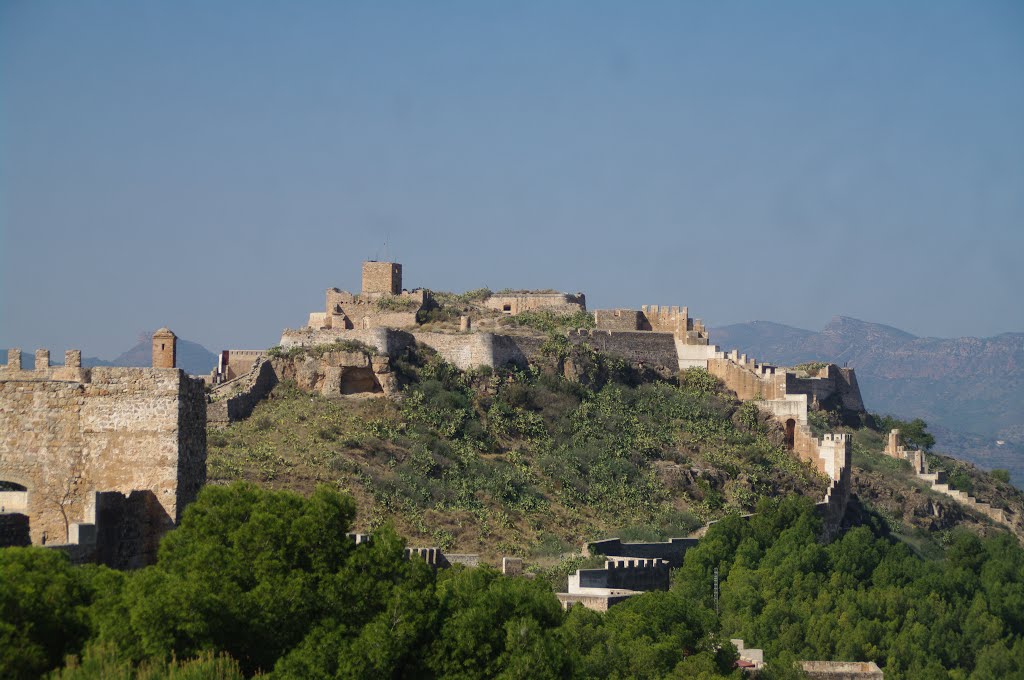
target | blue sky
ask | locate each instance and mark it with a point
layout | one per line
(214, 167)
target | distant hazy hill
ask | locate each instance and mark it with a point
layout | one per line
(970, 389)
(193, 357)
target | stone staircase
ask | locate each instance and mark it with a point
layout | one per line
(938, 483)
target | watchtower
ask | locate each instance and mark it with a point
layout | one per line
(164, 349)
(381, 278)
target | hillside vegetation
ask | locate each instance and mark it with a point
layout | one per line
(532, 463)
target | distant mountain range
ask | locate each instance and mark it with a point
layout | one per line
(191, 356)
(969, 390)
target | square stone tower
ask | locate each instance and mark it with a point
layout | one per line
(164, 349)
(381, 278)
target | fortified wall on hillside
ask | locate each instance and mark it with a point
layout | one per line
(664, 338)
(100, 461)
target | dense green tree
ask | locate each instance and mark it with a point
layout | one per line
(43, 610)
(270, 579)
(493, 625)
(247, 572)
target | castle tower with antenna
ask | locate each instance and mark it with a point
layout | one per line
(381, 278)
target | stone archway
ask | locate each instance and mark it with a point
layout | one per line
(14, 526)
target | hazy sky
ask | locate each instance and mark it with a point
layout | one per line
(214, 166)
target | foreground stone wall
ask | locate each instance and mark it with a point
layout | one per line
(67, 432)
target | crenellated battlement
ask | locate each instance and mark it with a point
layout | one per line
(837, 437)
(68, 433)
(71, 371)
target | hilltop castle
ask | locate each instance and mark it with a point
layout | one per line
(665, 339)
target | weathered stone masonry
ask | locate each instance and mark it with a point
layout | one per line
(70, 434)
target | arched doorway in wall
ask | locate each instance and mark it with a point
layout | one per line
(14, 528)
(790, 434)
(13, 496)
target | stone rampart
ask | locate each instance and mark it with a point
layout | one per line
(517, 302)
(598, 603)
(235, 400)
(388, 341)
(470, 350)
(621, 573)
(619, 320)
(66, 432)
(831, 386)
(749, 382)
(671, 551)
(919, 463)
(462, 350)
(234, 363)
(653, 350)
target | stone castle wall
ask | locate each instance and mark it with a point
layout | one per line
(385, 340)
(66, 432)
(654, 350)
(515, 303)
(746, 383)
(619, 319)
(622, 574)
(463, 350)
(671, 551)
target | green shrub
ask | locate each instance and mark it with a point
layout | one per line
(547, 321)
(1001, 475)
(396, 303)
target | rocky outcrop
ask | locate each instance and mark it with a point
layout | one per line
(339, 373)
(330, 374)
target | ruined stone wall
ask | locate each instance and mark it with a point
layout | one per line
(469, 350)
(747, 384)
(343, 310)
(464, 351)
(112, 429)
(515, 350)
(241, 361)
(619, 320)
(849, 391)
(831, 386)
(384, 340)
(514, 303)
(654, 350)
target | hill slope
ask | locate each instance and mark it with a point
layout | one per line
(531, 463)
(971, 390)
